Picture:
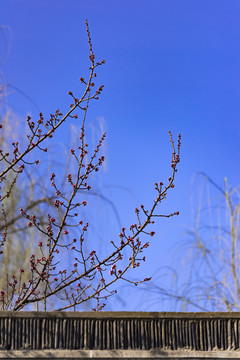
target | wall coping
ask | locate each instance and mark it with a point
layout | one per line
(120, 315)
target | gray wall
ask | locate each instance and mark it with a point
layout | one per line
(119, 334)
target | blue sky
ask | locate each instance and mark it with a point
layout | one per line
(170, 65)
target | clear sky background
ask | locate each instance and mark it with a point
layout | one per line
(170, 65)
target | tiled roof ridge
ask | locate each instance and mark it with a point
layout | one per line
(119, 331)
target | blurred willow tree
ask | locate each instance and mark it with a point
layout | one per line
(207, 277)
